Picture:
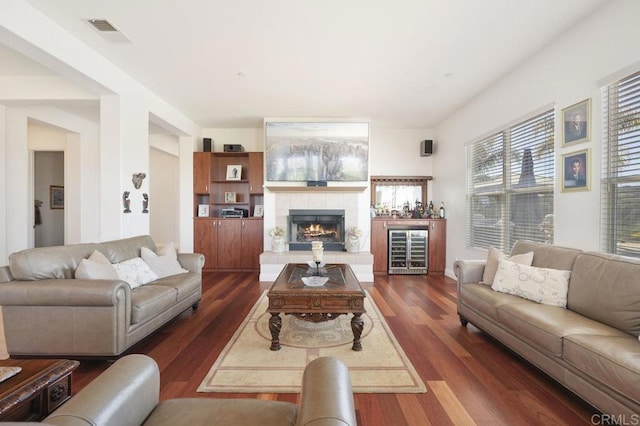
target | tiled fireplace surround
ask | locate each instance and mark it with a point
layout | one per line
(356, 206)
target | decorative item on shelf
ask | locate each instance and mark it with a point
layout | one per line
(203, 210)
(137, 179)
(229, 197)
(126, 202)
(277, 239)
(441, 215)
(234, 172)
(417, 210)
(353, 239)
(258, 210)
(145, 203)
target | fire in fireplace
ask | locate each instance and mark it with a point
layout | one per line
(323, 225)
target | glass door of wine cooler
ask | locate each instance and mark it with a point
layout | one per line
(408, 251)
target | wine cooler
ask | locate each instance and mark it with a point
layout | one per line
(408, 250)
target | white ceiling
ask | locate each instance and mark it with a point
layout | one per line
(230, 63)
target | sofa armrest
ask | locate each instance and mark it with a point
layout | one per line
(125, 394)
(191, 261)
(63, 292)
(469, 271)
(5, 274)
(327, 397)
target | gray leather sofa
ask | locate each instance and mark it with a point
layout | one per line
(592, 346)
(127, 393)
(48, 313)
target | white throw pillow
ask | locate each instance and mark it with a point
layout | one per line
(541, 285)
(165, 263)
(135, 272)
(493, 259)
(96, 267)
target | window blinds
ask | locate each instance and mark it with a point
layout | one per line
(510, 182)
(621, 167)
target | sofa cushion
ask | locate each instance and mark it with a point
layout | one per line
(546, 255)
(227, 412)
(135, 272)
(484, 300)
(544, 326)
(606, 288)
(493, 260)
(183, 284)
(96, 267)
(164, 263)
(150, 300)
(540, 285)
(613, 360)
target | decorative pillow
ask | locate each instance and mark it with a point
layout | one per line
(495, 256)
(96, 267)
(135, 272)
(541, 285)
(165, 263)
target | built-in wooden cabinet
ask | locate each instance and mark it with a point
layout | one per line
(256, 173)
(228, 243)
(379, 246)
(437, 242)
(437, 246)
(201, 172)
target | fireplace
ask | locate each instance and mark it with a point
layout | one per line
(323, 225)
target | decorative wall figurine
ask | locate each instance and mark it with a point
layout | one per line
(137, 179)
(145, 203)
(126, 202)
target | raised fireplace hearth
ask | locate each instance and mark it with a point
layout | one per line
(324, 225)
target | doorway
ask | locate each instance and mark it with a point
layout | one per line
(48, 178)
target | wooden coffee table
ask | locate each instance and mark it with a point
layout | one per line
(342, 294)
(41, 387)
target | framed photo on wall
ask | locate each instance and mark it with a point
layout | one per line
(576, 171)
(56, 197)
(234, 172)
(576, 123)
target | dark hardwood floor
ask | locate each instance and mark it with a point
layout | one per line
(471, 379)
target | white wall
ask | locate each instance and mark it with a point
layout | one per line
(101, 161)
(164, 181)
(566, 72)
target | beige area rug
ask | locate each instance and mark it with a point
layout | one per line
(247, 364)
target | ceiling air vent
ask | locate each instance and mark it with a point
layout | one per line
(107, 30)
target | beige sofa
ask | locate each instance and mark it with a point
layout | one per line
(592, 346)
(127, 394)
(48, 313)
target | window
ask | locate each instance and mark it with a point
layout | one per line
(510, 183)
(621, 167)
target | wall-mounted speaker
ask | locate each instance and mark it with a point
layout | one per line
(426, 148)
(233, 148)
(206, 145)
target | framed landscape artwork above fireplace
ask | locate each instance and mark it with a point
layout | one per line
(317, 151)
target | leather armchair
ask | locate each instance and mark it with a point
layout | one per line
(127, 393)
